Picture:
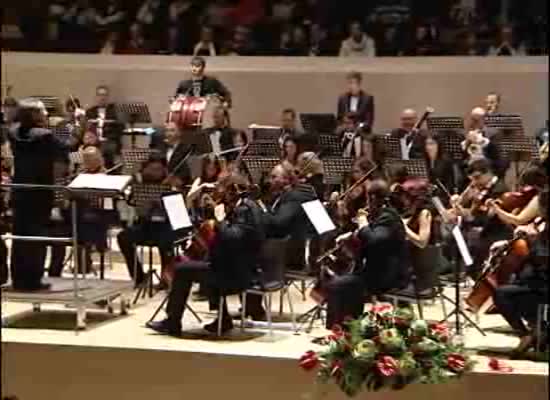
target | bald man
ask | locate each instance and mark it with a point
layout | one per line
(411, 140)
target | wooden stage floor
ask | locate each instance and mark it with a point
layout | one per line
(32, 333)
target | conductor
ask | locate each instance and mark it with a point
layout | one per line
(201, 85)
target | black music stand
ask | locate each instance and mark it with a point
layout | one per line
(452, 144)
(319, 123)
(263, 148)
(505, 122)
(445, 123)
(144, 197)
(132, 159)
(131, 114)
(517, 148)
(267, 134)
(330, 146)
(260, 166)
(415, 167)
(336, 169)
(389, 146)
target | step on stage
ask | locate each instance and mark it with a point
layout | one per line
(117, 358)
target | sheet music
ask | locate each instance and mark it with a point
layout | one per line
(176, 211)
(318, 216)
(462, 247)
(101, 182)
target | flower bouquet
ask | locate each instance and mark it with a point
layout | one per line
(387, 348)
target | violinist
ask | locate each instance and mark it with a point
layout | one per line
(151, 228)
(423, 233)
(290, 151)
(174, 151)
(232, 260)
(311, 171)
(484, 185)
(439, 166)
(203, 186)
(519, 301)
(383, 265)
(89, 139)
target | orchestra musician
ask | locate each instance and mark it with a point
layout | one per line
(174, 150)
(202, 187)
(472, 206)
(357, 101)
(35, 150)
(413, 138)
(201, 85)
(492, 103)
(311, 171)
(151, 227)
(290, 151)
(103, 118)
(349, 133)
(232, 261)
(518, 302)
(74, 121)
(288, 126)
(440, 167)
(221, 134)
(383, 254)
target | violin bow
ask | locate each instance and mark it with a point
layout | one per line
(359, 181)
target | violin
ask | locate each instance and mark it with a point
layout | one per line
(518, 200)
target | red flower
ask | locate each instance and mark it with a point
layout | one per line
(337, 333)
(497, 365)
(456, 362)
(336, 368)
(440, 329)
(309, 361)
(387, 366)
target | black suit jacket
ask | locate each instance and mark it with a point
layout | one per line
(183, 172)
(384, 253)
(442, 170)
(112, 131)
(365, 108)
(210, 86)
(417, 147)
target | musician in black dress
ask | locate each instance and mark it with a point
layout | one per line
(232, 260)
(201, 85)
(103, 120)
(383, 255)
(439, 166)
(519, 301)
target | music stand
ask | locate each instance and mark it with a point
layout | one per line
(505, 122)
(271, 134)
(336, 169)
(415, 167)
(445, 123)
(259, 166)
(389, 146)
(517, 148)
(452, 144)
(52, 104)
(319, 123)
(131, 114)
(330, 145)
(263, 148)
(132, 159)
(145, 197)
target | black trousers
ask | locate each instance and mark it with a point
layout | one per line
(110, 148)
(517, 303)
(156, 234)
(3, 262)
(31, 217)
(184, 276)
(345, 299)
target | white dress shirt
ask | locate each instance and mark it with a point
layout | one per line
(353, 103)
(215, 141)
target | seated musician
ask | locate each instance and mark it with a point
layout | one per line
(103, 118)
(201, 85)
(202, 187)
(383, 254)
(311, 171)
(232, 260)
(422, 227)
(174, 151)
(89, 139)
(290, 151)
(492, 103)
(519, 301)
(288, 125)
(221, 134)
(285, 217)
(349, 133)
(151, 227)
(413, 139)
(472, 206)
(439, 166)
(357, 101)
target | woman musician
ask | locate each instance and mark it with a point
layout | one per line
(311, 171)
(200, 195)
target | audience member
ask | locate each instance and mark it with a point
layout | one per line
(358, 44)
(205, 46)
(506, 44)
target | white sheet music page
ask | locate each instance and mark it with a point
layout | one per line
(176, 211)
(101, 182)
(462, 247)
(318, 216)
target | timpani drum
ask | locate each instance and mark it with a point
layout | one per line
(193, 112)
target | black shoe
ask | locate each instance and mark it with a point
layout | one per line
(256, 315)
(227, 325)
(164, 327)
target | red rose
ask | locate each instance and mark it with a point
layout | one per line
(456, 362)
(309, 361)
(440, 329)
(387, 366)
(497, 365)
